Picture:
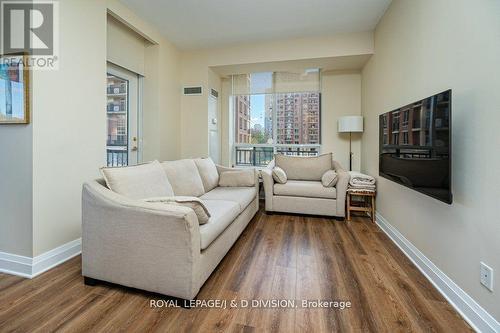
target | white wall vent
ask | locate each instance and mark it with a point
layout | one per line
(193, 90)
(214, 93)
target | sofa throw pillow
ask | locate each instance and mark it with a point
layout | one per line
(184, 177)
(208, 172)
(237, 178)
(279, 175)
(138, 181)
(194, 203)
(304, 168)
(329, 178)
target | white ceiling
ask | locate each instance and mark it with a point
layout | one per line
(193, 24)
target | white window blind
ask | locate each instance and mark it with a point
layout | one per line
(276, 82)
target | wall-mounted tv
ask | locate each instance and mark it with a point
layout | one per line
(415, 146)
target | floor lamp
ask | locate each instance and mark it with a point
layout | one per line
(350, 124)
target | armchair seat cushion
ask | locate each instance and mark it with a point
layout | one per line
(243, 196)
(305, 188)
(222, 214)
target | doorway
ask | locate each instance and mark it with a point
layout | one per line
(213, 129)
(123, 113)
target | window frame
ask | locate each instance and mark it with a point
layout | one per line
(274, 115)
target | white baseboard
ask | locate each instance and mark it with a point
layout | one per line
(468, 308)
(29, 267)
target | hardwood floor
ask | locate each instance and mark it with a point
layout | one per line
(277, 257)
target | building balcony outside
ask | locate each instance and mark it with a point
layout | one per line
(262, 155)
(117, 156)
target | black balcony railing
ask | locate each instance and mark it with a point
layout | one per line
(262, 156)
(117, 89)
(116, 107)
(298, 151)
(254, 156)
(117, 158)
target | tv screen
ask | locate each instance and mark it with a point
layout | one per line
(415, 146)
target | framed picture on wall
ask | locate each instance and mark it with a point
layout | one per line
(14, 90)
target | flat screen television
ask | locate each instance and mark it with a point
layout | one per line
(415, 146)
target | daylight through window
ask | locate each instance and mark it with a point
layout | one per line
(268, 119)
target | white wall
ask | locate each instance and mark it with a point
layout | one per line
(125, 47)
(69, 124)
(45, 163)
(16, 168)
(169, 94)
(421, 48)
(341, 96)
(134, 45)
(195, 67)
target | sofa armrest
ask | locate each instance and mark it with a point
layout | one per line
(341, 187)
(267, 177)
(151, 246)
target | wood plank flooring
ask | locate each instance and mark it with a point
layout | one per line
(281, 257)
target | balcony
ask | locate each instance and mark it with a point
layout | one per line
(261, 155)
(254, 156)
(117, 156)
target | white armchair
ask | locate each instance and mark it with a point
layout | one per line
(304, 193)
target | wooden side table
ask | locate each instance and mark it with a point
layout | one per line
(367, 205)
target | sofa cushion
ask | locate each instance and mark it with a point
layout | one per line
(184, 177)
(279, 175)
(138, 181)
(304, 168)
(329, 178)
(305, 188)
(242, 195)
(237, 178)
(208, 173)
(223, 213)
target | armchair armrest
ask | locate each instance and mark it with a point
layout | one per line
(151, 246)
(341, 187)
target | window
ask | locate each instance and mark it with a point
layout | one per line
(274, 120)
(406, 117)
(395, 121)
(405, 138)
(416, 118)
(395, 138)
(117, 114)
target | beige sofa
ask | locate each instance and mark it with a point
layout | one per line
(303, 192)
(159, 247)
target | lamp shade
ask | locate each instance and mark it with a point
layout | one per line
(350, 124)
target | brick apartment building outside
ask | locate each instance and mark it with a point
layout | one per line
(297, 117)
(242, 119)
(412, 125)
